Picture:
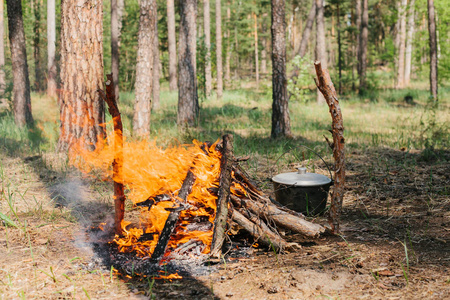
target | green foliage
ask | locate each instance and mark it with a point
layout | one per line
(298, 85)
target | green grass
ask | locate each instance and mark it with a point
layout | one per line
(387, 122)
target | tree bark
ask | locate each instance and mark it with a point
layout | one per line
(207, 28)
(36, 46)
(2, 51)
(172, 45)
(280, 107)
(51, 49)
(117, 7)
(263, 51)
(321, 50)
(144, 67)
(307, 31)
(156, 89)
(401, 50)
(363, 37)
(409, 43)
(187, 78)
(82, 112)
(219, 50)
(256, 51)
(433, 50)
(339, 46)
(358, 15)
(21, 80)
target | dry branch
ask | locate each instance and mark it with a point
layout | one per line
(220, 221)
(325, 85)
(119, 196)
(172, 219)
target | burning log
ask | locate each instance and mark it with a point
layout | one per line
(119, 196)
(325, 85)
(220, 222)
(172, 220)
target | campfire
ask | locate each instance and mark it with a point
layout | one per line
(191, 198)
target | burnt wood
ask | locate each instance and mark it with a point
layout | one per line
(172, 219)
(220, 221)
(326, 87)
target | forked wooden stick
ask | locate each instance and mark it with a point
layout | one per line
(325, 85)
(119, 196)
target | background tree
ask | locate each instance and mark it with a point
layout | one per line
(116, 25)
(2, 51)
(363, 39)
(144, 67)
(280, 108)
(219, 67)
(187, 78)
(409, 42)
(81, 109)
(207, 28)
(51, 48)
(172, 45)
(36, 45)
(321, 50)
(433, 50)
(402, 48)
(156, 69)
(307, 30)
(21, 80)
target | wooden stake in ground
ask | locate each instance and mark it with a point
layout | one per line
(119, 196)
(326, 87)
(220, 222)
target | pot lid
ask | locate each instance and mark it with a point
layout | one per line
(301, 178)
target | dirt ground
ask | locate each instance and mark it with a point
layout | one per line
(395, 241)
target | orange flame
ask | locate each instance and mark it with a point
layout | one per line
(149, 171)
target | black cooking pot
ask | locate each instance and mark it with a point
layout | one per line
(302, 191)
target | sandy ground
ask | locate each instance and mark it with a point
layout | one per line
(395, 241)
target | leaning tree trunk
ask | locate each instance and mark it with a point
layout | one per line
(207, 25)
(409, 43)
(51, 49)
(2, 51)
(321, 50)
(117, 7)
(433, 50)
(172, 45)
(187, 78)
(401, 50)
(36, 46)
(280, 109)
(307, 30)
(21, 81)
(144, 68)
(219, 66)
(363, 37)
(82, 111)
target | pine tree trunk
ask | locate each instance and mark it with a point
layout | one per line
(21, 80)
(401, 51)
(280, 107)
(219, 50)
(433, 50)
(263, 51)
(397, 41)
(156, 89)
(409, 43)
(37, 46)
(256, 51)
(363, 37)
(187, 79)
(144, 67)
(51, 49)
(2, 51)
(117, 7)
(338, 13)
(207, 28)
(321, 50)
(358, 14)
(307, 31)
(82, 112)
(172, 45)
(228, 57)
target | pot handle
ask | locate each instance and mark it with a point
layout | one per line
(331, 175)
